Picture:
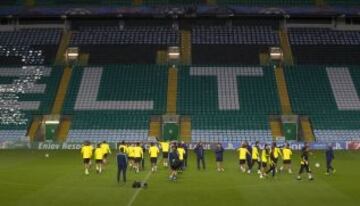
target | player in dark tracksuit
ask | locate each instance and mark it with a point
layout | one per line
(200, 155)
(304, 163)
(219, 156)
(272, 161)
(248, 155)
(329, 153)
(174, 163)
(122, 162)
(143, 159)
(185, 146)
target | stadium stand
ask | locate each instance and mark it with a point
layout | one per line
(36, 101)
(30, 37)
(231, 44)
(343, 2)
(251, 35)
(230, 128)
(13, 56)
(228, 102)
(329, 95)
(266, 3)
(199, 90)
(82, 2)
(119, 98)
(122, 43)
(323, 36)
(25, 40)
(199, 97)
(8, 3)
(324, 46)
(132, 35)
(111, 100)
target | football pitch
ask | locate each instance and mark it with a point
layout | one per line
(27, 177)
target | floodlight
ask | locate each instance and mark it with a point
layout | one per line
(72, 54)
(173, 53)
(276, 54)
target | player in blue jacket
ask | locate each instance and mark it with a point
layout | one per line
(122, 162)
(200, 155)
(329, 153)
(174, 163)
(219, 156)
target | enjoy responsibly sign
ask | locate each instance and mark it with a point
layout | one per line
(351, 145)
(62, 146)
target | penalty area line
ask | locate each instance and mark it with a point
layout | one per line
(137, 192)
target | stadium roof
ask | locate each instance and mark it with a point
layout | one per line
(179, 8)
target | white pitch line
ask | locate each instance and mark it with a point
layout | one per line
(132, 200)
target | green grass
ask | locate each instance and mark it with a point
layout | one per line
(28, 178)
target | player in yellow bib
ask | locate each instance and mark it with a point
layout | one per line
(243, 151)
(105, 147)
(255, 156)
(181, 151)
(99, 158)
(165, 146)
(276, 152)
(87, 152)
(272, 162)
(265, 154)
(153, 153)
(138, 155)
(130, 152)
(287, 154)
(123, 145)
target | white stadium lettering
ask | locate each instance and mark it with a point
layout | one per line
(343, 88)
(88, 92)
(36, 89)
(228, 98)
